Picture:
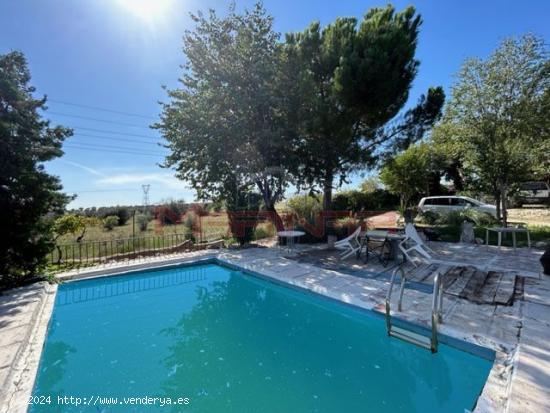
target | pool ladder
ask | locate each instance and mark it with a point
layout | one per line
(430, 343)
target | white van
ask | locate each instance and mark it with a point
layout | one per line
(445, 204)
(533, 193)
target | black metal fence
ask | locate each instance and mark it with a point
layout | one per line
(93, 252)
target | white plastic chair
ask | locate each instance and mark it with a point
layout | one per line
(350, 245)
(415, 244)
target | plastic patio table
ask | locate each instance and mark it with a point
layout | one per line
(507, 230)
(290, 236)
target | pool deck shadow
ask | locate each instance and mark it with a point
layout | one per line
(519, 334)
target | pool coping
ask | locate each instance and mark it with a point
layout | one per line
(27, 363)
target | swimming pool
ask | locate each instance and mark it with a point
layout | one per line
(231, 342)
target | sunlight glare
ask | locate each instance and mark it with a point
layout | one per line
(148, 10)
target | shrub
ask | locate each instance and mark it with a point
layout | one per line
(143, 222)
(349, 201)
(357, 201)
(370, 184)
(109, 222)
(345, 226)
(455, 218)
(428, 217)
(243, 201)
(93, 221)
(170, 212)
(305, 206)
(177, 207)
(199, 210)
(264, 230)
(167, 215)
(383, 199)
(123, 215)
(190, 223)
(215, 206)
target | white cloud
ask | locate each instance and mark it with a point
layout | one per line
(83, 167)
(165, 180)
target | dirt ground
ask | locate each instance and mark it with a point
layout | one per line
(530, 215)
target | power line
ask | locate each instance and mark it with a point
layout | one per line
(100, 190)
(95, 145)
(117, 139)
(113, 132)
(112, 151)
(97, 119)
(101, 109)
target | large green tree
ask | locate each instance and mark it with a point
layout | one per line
(226, 126)
(411, 173)
(354, 78)
(497, 122)
(27, 192)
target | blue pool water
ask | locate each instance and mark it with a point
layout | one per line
(231, 342)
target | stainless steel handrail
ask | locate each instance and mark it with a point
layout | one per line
(388, 296)
(437, 305)
(437, 310)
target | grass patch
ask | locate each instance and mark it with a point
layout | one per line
(212, 227)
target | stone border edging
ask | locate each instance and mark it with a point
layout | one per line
(24, 368)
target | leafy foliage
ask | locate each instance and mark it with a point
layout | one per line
(224, 125)
(354, 78)
(455, 218)
(498, 117)
(257, 114)
(305, 206)
(190, 222)
(27, 193)
(370, 184)
(409, 174)
(123, 215)
(109, 222)
(69, 224)
(356, 201)
(143, 221)
(242, 220)
(264, 230)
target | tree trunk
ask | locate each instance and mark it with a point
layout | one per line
(496, 194)
(455, 174)
(503, 195)
(275, 217)
(327, 191)
(269, 202)
(402, 203)
(327, 202)
(60, 254)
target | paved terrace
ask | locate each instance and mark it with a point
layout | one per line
(519, 334)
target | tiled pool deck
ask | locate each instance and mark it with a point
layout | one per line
(519, 334)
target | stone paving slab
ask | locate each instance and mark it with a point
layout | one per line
(530, 389)
(538, 291)
(20, 311)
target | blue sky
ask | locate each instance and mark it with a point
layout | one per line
(116, 54)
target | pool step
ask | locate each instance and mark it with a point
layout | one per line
(411, 337)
